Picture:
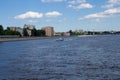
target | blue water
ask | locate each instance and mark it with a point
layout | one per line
(75, 58)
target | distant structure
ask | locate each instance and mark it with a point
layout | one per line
(20, 30)
(62, 34)
(79, 30)
(12, 28)
(29, 28)
(66, 34)
(49, 31)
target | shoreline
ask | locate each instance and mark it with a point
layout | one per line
(21, 39)
(27, 38)
(37, 38)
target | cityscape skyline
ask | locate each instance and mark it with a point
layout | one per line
(63, 15)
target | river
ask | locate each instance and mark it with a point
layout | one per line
(74, 58)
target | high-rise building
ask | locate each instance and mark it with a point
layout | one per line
(49, 31)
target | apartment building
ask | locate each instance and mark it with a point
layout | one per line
(49, 31)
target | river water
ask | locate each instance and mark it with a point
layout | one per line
(75, 58)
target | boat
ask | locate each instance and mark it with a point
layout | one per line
(60, 39)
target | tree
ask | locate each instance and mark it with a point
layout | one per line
(8, 28)
(10, 32)
(34, 32)
(62, 34)
(25, 33)
(40, 33)
(70, 32)
(1, 29)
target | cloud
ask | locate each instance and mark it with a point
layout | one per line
(29, 14)
(53, 14)
(108, 13)
(111, 4)
(37, 15)
(114, 1)
(76, 1)
(52, 0)
(81, 6)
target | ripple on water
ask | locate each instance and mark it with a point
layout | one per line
(76, 58)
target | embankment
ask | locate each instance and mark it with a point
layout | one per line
(20, 39)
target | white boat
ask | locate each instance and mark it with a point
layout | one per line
(60, 39)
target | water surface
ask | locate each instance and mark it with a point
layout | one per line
(75, 58)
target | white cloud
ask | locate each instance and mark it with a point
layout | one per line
(114, 1)
(111, 4)
(108, 13)
(96, 15)
(79, 4)
(37, 15)
(108, 6)
(29, 14)
(82, 6)
(52, 0)
(53, 14)
(76, 1)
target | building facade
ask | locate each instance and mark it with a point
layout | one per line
(49, 31)
(29, 29)
(27, 26)
(20, 30)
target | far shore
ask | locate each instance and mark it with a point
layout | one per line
(37, 38)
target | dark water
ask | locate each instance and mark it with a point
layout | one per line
(75, 58)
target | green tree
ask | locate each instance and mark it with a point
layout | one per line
(10, 32)
(8, 28)
(34, 32)
(40, 33)
(71, 32)
(1, 30)
(25, 33)
(15, 33)
(62, 34)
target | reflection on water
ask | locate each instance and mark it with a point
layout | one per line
(75, 58)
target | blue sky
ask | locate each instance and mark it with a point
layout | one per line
(63, 15)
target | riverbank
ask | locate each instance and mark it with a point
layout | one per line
(21, 39)
(26, 38)
(36, 38)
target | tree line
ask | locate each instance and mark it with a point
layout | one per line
(7, 31)
(34, 32)
(74, 33)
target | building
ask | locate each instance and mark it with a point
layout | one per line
(27, 26)
(62, 34)
(66, 34)
(58, 33)
(49, 31)
(12, 28)
(20, 30)
(29, 29)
